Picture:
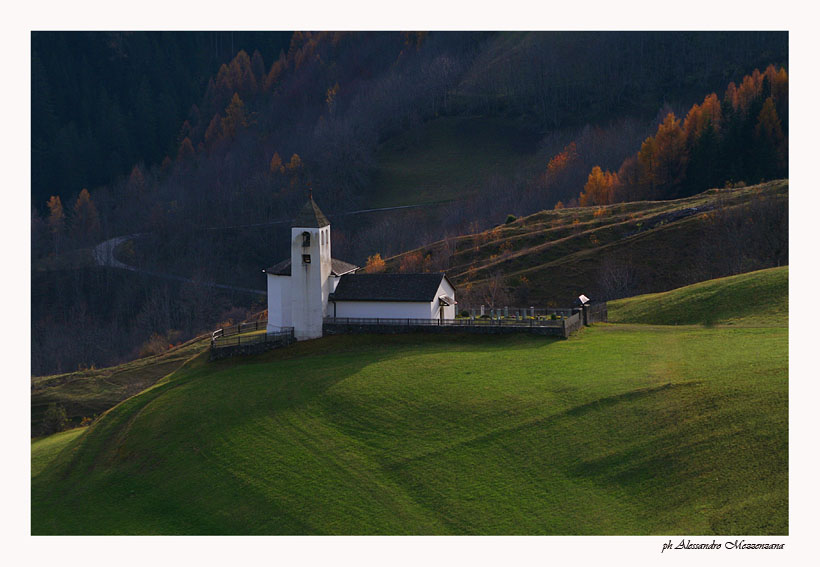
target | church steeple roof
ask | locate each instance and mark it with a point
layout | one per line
(310, 216)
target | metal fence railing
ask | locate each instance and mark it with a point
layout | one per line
(476, 311)
(245, 334)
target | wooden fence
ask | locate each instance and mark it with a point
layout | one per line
(238, 329)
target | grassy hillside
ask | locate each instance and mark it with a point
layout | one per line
(655, 245)
(45, 449)
(622, 429)
(757, 299)
(86, 393)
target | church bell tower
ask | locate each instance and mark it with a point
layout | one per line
(310, 270)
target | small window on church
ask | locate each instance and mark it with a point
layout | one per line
(306, 258)
(305, 239)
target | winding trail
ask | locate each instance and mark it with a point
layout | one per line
(104, 251)
(104, 256)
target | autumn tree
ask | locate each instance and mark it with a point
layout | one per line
(738, 138)
(136, 181)
(214, 129)
(85, 222)
(670, 156)
(771, 143)
(600, 188)
(562, 160)
(411, 262)
(235, 117)
(275, 165)
(186, 151)
(56, 221)
(558, 179)
(294, 169)
(276, 70)
(375, 264)
(647, 165)
(778, 83)
(702, 132)
(629, 181)
(241, 75)
(295, 163)
(330, 98)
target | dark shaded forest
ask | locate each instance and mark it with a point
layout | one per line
(175, 135)
(103, 102)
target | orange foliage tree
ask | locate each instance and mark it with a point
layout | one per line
(214, 130)
(411, 262)
(374, 264)
(559, 162)
(235, 117)
(600, 188)
(86, 221)
(276, 164)
(670, 156)
(742, 138)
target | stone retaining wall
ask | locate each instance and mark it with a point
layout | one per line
(350, 328)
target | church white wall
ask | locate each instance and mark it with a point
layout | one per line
(279, 312)
(383, 309)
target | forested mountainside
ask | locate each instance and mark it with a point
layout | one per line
(103, 102)
(489, 123)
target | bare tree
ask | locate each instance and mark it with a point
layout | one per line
(617, 278)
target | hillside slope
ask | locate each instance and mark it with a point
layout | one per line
(758, 298)
(622, 249)
(622, 429)
(86, 393)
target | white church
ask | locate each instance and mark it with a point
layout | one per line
(312, 285)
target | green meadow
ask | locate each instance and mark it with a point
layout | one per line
(621, 429)
(753, 299)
